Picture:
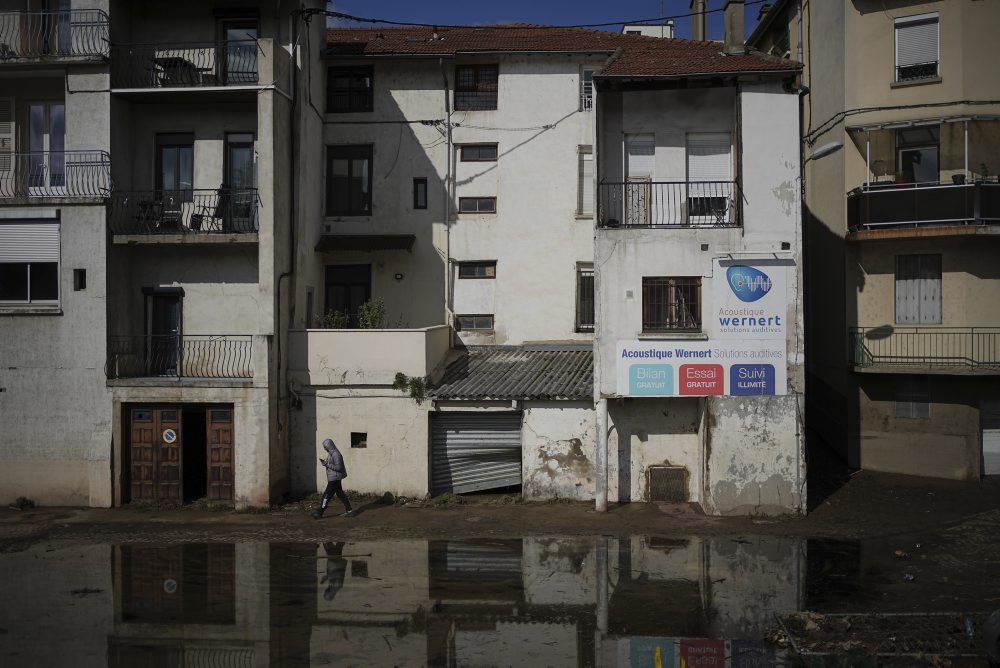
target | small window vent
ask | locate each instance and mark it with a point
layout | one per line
(667, 483)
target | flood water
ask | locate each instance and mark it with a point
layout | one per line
(574, 601)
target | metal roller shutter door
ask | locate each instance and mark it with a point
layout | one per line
(475, 451)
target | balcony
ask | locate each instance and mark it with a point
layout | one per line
(365, 356)
(670, 204)
(923, 205)
(59, 175)
(187, 65)
(53, 36)
(191, 213)
(186, 356)
(957, 350)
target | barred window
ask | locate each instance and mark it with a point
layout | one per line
(480, 322)
(671, 304)
(349, 89)
(476, 87)
(585, 298)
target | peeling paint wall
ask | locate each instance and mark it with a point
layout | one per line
(558, 439)
(755, 460)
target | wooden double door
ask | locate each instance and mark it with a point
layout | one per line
(181, 452)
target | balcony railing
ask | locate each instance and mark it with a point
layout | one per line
(69, 174)
(205, 356)
(77, 34)
(226, 210)
(921, 204)
(973, 348)
(189, 65)
(668, 204)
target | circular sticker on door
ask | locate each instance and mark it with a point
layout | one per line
(170, 585)
(169, 435)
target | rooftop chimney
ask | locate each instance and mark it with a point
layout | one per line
(733, 13)
(698, 20)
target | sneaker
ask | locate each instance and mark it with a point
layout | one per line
(350, 513)
(317, 515)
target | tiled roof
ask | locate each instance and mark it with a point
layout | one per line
(513, 372)
(631, 55)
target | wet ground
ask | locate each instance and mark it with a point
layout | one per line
(884, 571)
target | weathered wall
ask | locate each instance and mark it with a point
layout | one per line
(754, 456)
(396, 458)
(557, 445)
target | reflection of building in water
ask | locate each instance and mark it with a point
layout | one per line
(200, 604)
(554, 601)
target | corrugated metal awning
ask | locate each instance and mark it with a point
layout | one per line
(519, 372)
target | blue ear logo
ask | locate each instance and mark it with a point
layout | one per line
(748, 283)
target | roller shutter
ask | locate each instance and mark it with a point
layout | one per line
(29, 242)
(475, 451)
(990, 420)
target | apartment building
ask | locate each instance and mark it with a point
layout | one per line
(140, 308)
(901, 133)
(454, 182)
(699, 339)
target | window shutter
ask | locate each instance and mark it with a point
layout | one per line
(641, 152)
(918, 289)
(916, 42)
(709, 157)
(586, 186)
(29, 242)
(929, 282)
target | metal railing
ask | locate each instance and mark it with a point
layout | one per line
(877, 205)
(669, 204)
(184, 356)
(37, 174)
(188, 65)
(917, 71)
(76, 34)
(924, 347)
(226, 210)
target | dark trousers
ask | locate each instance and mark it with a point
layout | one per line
(335, 487)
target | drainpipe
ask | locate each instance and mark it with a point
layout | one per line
(601, 458)
(965, 138)
(868, 158)
(447, 210)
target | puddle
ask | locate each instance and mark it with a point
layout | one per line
(580, 601)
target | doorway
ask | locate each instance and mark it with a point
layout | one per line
(163, 333)
(179, 453)
(348, 286)
(240, 61)
(238, 183)
(46, 146)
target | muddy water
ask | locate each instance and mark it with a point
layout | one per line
(592, 601)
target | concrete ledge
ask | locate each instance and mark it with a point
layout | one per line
(181, 382)
(186, 238)
(31, 310)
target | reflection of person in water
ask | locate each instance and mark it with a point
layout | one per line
(336, 569)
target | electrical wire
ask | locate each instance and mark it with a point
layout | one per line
(360, 19)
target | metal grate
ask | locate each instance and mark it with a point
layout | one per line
(667, 483)
(671, 304)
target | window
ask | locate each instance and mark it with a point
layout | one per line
(585, 298)
(671, 304)
(420, 193)
(912, 397)
(918, 289)
(709, 165)
(349, 89)
(47, 143)
(348, 180)
(917, 47)
(79, 279)
(477, 204)
(479, 153)
(29, 263)
(586, 89)
(175, 166)
(917, 154)
(476, 87)
(477, 269)
(585, 181)
(482, 322)
(359, 439)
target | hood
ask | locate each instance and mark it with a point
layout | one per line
(330, 446)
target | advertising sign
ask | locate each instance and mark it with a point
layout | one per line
(745, 353)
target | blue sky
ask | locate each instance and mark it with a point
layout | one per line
(554, 12)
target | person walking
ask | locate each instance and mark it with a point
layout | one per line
(336, 471)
